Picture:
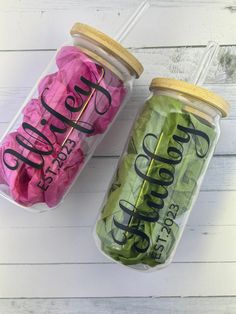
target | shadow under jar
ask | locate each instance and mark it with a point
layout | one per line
(159, 174)
(65, 117)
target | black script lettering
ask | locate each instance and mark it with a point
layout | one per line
(19, 156)
(70, 103)
(97, 88)
(166, 178)
(66, 120)
(39, 138)
(176, 158)
(143, 243)
(150, 179)
(25, 143)
(196, 134)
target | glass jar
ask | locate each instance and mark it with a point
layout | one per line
(159, 174)
(64, 118)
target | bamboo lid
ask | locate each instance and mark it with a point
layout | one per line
(110, 45)
(192, 90)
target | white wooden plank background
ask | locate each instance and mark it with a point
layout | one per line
(121, 306)
(48, 262)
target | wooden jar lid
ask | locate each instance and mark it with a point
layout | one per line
(110, 45)
(195, 91)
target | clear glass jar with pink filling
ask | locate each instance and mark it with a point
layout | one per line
(64, 118)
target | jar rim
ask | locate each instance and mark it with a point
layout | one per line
(195, 91)
(110, 45)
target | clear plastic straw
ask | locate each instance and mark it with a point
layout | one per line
(132, 21)
(209, 55)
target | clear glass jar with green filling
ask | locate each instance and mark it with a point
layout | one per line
(159, 174)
